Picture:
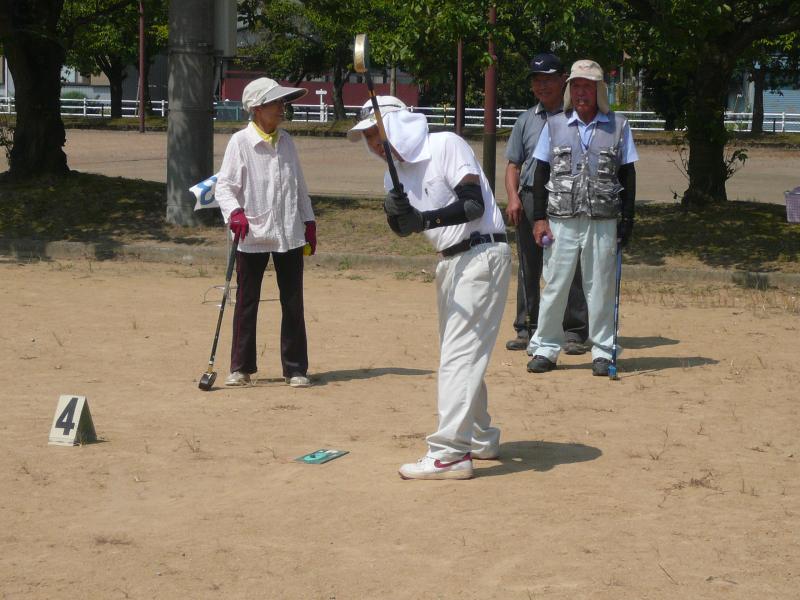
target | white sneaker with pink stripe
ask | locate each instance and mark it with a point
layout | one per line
(428, 467)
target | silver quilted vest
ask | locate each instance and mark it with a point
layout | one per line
(584, 180)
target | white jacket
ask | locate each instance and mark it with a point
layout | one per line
(268, 183)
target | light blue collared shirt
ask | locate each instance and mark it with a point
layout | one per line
(586, 132)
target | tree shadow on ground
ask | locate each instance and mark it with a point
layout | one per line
(527, 455)
(108, 212)
(751, 236)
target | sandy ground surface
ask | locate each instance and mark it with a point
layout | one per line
(334, 166)
(678, 481)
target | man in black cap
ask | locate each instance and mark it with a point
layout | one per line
(547, 84)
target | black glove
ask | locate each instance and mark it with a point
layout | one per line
(396, 202)
(394, 226)
(410, 222)
(624, 231)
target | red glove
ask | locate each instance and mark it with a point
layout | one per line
(238, 223)
(311, 235)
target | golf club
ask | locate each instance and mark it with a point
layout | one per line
(521, 259)
(208, 378)
(361, 65)
(612, 369)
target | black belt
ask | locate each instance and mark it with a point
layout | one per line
(473, 240)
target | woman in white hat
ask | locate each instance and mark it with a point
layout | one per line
(263, 197)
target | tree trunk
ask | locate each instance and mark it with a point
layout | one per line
(759, 77)
(35, 57)
(338, 86)
(705, 120)
(113, 68)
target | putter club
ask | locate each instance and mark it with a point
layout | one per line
(521, 259)
(208, 378)
(361, 65)
(612, 369)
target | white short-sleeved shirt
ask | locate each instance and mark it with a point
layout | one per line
(430, 185)
(627, 151)
(267, 181)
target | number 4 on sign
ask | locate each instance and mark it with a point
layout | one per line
(72, 423)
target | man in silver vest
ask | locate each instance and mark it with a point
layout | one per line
(584, 189)
(547, 84)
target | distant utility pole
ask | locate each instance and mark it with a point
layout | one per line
(190, 126)
(490, 108)
(142, 82)
(460, 88)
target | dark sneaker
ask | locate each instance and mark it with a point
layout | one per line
(540, 364)
(518, 343)
(574, 347)
(600, 367)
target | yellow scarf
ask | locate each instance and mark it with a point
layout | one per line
(272, 138)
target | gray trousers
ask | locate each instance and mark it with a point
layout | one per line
(576, 317)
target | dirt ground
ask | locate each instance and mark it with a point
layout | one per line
(678, 481)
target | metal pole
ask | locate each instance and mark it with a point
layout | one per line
(190, 122)
(141, 66)
(460, 89)
(490, 108)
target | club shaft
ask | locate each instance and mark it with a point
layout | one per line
(521, 258)
(387, 149)
(228, 276)
(616, 307)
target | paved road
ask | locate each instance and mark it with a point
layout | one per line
(336, 166)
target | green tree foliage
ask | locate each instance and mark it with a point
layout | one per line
(109, 43)
(298, 39)
(694, 45)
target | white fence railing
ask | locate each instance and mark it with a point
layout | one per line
(437, 115)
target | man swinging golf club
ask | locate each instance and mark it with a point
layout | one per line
(444, 195)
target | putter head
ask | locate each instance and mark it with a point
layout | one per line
(612, 373)
(361, 53)
(207, 380)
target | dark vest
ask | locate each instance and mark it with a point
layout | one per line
(584, 180)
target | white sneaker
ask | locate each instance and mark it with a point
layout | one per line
(486, 454)
(428, 467)
(238, 378)
(298, 381)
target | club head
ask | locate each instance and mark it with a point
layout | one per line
(361, 53)
(207, 380)
(612, 373)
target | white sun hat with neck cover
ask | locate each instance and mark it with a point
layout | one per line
(588, 69)
(387, 104)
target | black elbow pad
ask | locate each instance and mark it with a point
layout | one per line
(472, 197)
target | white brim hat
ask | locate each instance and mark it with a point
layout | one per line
(386, 104)
(265, 90)
(588, 69)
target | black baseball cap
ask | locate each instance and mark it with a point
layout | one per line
(546, 63)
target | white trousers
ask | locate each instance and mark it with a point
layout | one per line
(595, 240)
(471, 291)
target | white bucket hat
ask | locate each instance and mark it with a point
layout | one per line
(588, 69)
(265, 90)
(387, 104)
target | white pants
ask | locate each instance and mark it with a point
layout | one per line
(471, 291)
(596, 242)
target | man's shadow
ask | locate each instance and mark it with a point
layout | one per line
(650, 364)
(528, 455)
(638, 343)
(327, 377)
